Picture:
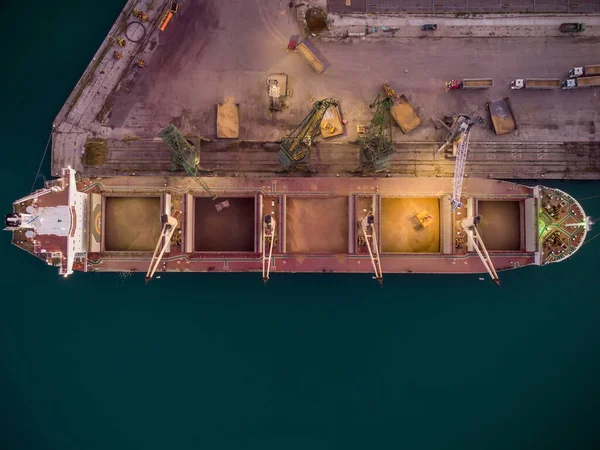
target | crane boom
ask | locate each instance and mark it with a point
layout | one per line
(377, 145)
(170, 224)
(184, 155)
(367, 225)
(296, 147)
(459, 169)
(267, 247)
(469, 225)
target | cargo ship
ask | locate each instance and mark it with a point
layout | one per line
(365, 225)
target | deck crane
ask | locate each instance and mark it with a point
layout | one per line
(268, 239)
(184, 155)
(170, 224)
(367, 224)
(295, 148)
(469, 225)
(459, 140)
(377, 145)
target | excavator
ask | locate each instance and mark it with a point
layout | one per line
(296, 147)
(170, 224)
(268, 240)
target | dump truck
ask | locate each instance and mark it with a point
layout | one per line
(502, 116)
(469, 83)
(581, 82)
(572, 27)
(535, 83)
(310, 57)
(584, 71)
(404, 114)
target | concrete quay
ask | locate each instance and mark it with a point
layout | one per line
(212, 51)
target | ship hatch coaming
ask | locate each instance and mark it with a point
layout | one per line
(401, 230)
(317, 225)
(501, 224)
(132, 224)
(230, 230)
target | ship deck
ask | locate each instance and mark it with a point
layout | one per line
(501, 224)
(317, 224)
(111, 224)
(130, 223)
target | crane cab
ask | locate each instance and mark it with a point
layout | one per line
(518, 84)
(576, 72)
(454, 85)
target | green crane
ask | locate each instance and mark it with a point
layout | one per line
(184, 155)
(376, 146)
(295, 148)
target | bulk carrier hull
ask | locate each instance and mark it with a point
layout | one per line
(114, 224)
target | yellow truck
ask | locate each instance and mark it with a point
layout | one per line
(402, 111)
(503, 118)
(310, 57)
(405, 115)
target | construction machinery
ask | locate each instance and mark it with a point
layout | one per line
(586, 71)
(170, 224)
(367, 225)
(296, 147)
(277, 88)
(462, 152)
(469, 226)
(535, 83)
(376, 146)
(165, 21)
(403, 112)
(581, 82)
(140, 15)
(184, 155)
(310, 57)
(458, 140)
(469, 83)
(268, 240)
(503, 118)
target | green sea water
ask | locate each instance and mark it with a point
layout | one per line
(310, 361)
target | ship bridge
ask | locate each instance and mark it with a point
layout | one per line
(52, 223)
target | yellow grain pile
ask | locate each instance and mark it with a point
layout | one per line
(228, 121)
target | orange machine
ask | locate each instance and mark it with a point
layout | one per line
(166, 21)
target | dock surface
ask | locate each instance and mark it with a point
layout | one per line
(208, 55)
